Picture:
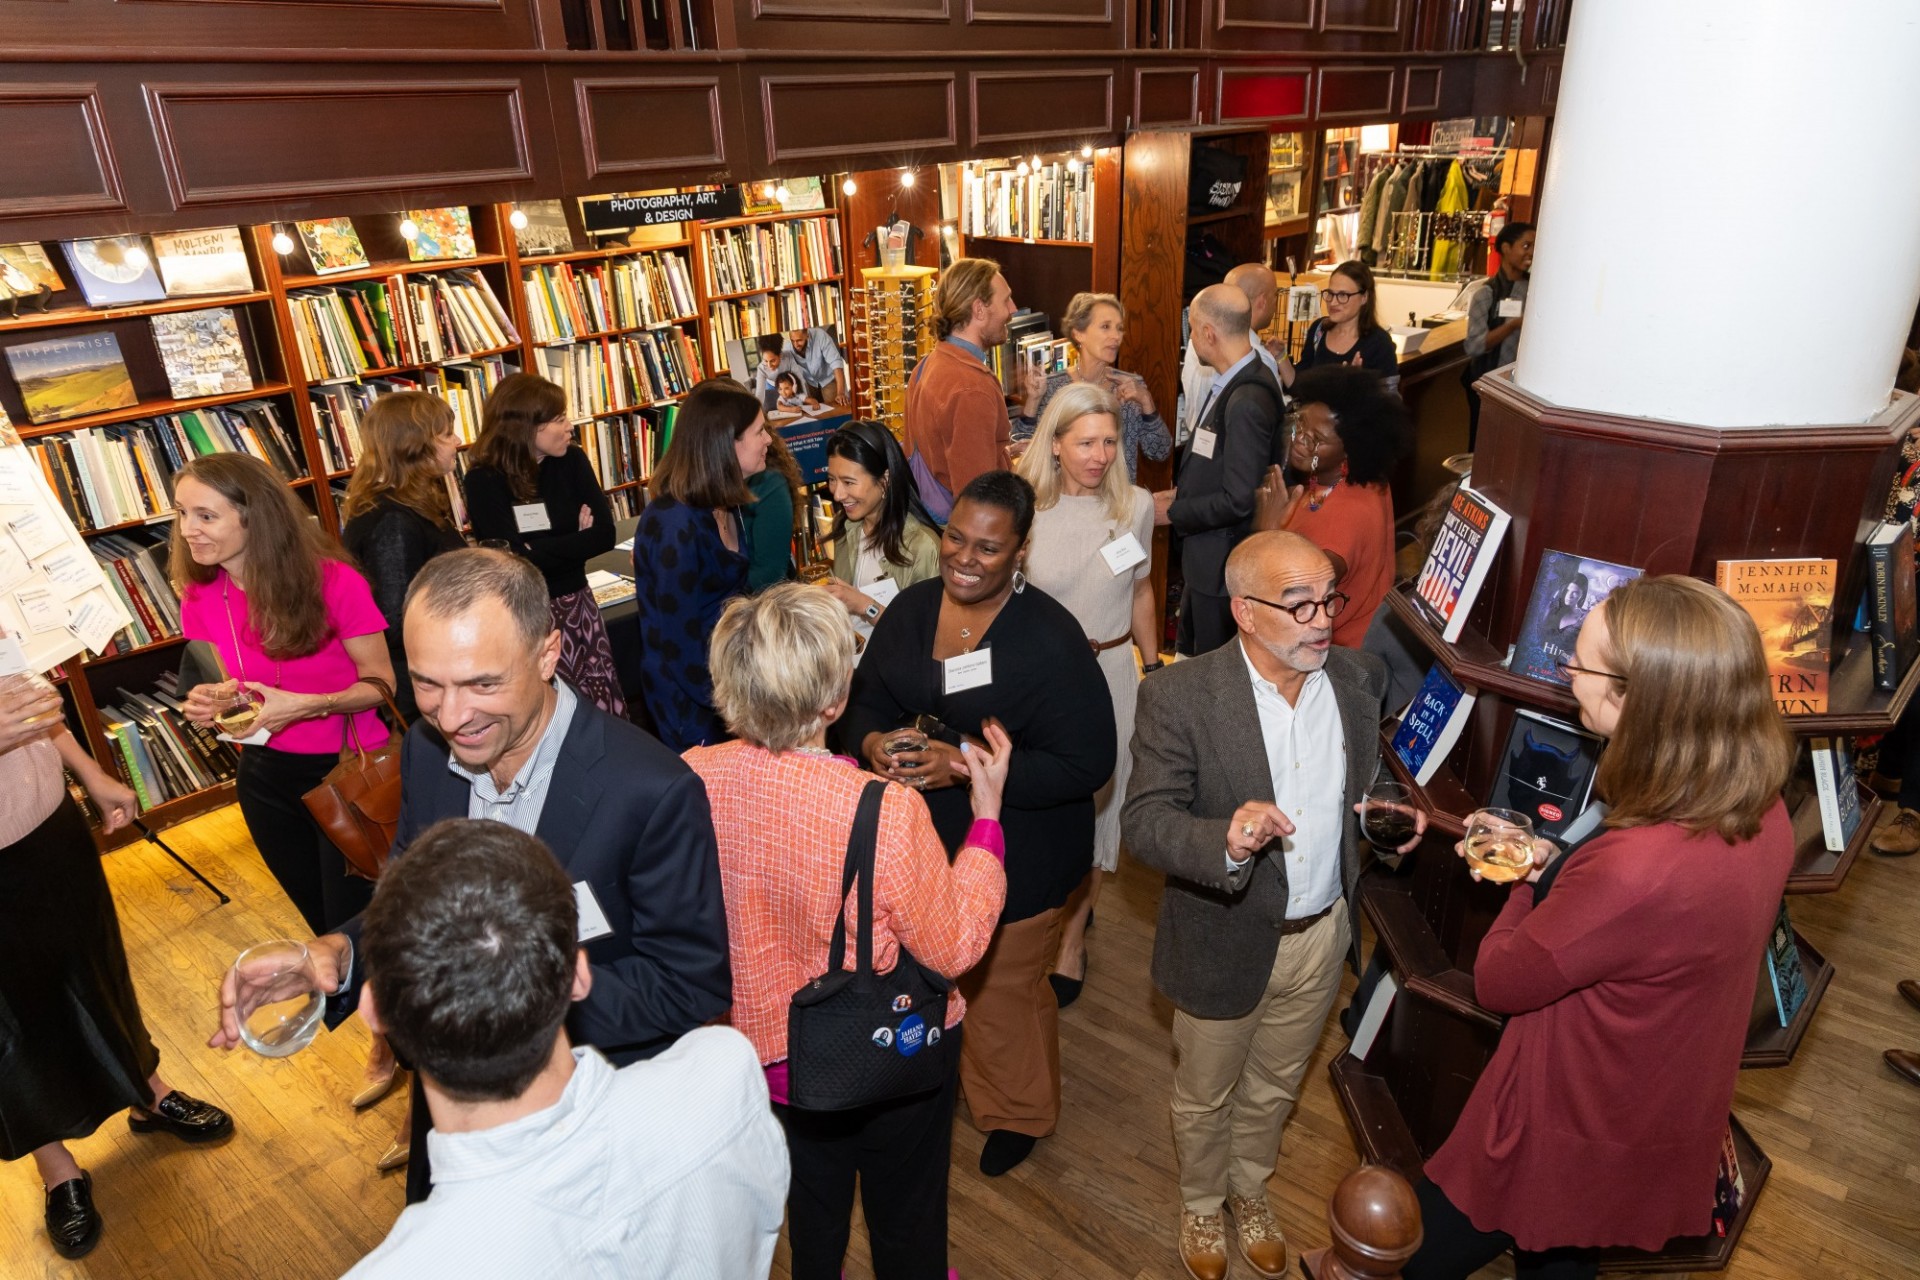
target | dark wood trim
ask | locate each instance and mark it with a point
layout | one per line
(855, 12)
(778, 154)
(583, 104)
(1038, 16)
(1140, 74)
(1221, 22)
(1399, 14)
(86, 97)
(1408, 106)
(1379, 1131)
(1221, 76)
(1076, 133)
(1375, 114)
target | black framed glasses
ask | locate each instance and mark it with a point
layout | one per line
(1304, 612)
(1339, 295)
(1569, 670)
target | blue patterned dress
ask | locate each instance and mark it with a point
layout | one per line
(683, 575)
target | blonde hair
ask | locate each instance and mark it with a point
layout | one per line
(966, 282)
(397, 435)
(1039, 468)
(1699, 741)
(1079, 312)
(779, 660)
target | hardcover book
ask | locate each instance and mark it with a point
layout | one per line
(1565, 591)
(332, 245)
(1431, 724)
(70, 377)
(443, 233)
(202, 353)
(546, 230)
(197, 263)
(1783, 968)
(1791, 602)
(1546, 772)
(1462, 553)
(31, 260)
(1729, 1187)
(1839, 793)
(114, 271)
(1890, 601)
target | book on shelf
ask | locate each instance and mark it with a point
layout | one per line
(441, 233)
(1546, 772)
(1838, 792)
(348, 331)
(1729, 1187)
(626, 503)
(30, 259)
(803, 195)
(332, 245)
(780, 311)
(630, 372)
(1026, 328)
(161, 754)
(1791, 602)
(201, 352)
(1890, 601)
(567, 300)
(1432, 723)
(114, 271)
(339, 407)
(772, 255)
(622, 448)
(545, 229)
(1011, 200)
(1565, 590)
(71, 377)
(1458, 563)
(1784, 971)
(196, 263)
(135, 568)
(14, 283)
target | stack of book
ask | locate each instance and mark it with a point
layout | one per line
(782, 311)
(106, 476)
(623, 373)
(135, 565)
(1053, 202)
(566, 301)
(160, 753)
(350, 330)
(772, 256)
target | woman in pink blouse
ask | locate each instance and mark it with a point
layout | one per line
(783, 807)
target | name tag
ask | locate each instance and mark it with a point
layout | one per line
(967, 671)
(593, 921)
(531, 517)
(881, 591)
(1510, 308)
(1123, 553)
(1203, 441)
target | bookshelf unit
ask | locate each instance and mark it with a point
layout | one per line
(1082, 253)
(770, 273)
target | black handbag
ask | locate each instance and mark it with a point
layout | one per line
(855, 1037)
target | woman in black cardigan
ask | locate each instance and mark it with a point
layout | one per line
(532, 489)
(977, 644)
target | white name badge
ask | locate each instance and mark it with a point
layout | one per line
(593, 921)
(881, 591)
(531, 517)
(1123, 553)
(967, 671)
(1204, 440)
(1510, 308)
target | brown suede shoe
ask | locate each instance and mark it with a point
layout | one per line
(1911, 990)
(1261, 1243)
(1203, 1245)
(1900, 837)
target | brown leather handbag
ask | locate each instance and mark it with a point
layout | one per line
(358, 803)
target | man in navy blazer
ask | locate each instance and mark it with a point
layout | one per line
(499, 737)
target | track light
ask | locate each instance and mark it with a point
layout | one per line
(518, 220)
(409, 229)
(282, 243)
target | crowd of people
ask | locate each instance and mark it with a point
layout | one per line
(593, 941)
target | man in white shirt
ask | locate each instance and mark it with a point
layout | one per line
(549, 1162)
(1255, 279)
(1249, 763)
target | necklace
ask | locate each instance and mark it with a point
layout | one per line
(1313, 503)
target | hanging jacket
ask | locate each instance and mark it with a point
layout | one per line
(1370, 213)
(1453, 199)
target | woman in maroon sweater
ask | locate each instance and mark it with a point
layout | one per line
(1599, 1120)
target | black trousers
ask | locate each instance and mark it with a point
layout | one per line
(900, 1152)
(1206, 622)
(310, 870)
(1452, 1248)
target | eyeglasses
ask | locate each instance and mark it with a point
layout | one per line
(1569, 670)
(1338, 295)
(1335, 604)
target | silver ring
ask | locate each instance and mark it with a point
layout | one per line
(1246, 829)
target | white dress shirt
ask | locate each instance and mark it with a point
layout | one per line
(669, 1168)
(1196, 384)
(1307, 758)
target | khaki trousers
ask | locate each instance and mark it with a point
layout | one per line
(1236, 1079)
(1010, 1057)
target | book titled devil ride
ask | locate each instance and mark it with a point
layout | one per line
(1565, 590)
(1462, 553)
(1791, 602)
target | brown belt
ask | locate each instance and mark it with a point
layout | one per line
(1111, 644)
(1304, 923)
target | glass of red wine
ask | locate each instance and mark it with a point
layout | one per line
(1386, 815)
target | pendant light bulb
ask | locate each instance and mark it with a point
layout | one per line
(1036, 164)
(282, 243)
(1086, 152)
(906, 177)
(409, 229)
(518, 220)
(847, 187)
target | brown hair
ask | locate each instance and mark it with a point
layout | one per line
(966, 282)
(518, 407)
(1360, 276)
(397, 458)
(1079, 312)
(284, 550)
(780, 458)
(700, 468)
(1699, 741)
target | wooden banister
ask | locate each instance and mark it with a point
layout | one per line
(1375, 1223)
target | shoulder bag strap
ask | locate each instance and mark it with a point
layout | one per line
(859, 865)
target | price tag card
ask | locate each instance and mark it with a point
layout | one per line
(881, 591)
(72, 572)
(531, 517)
(1510, 308)
(36, 534)
(1204, 440)
(1123, 553)
(593, 921)
(967, 671)
(17, 488)
(94, 620)
(13, 566)
(41, 610)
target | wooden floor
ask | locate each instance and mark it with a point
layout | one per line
(294, 1194)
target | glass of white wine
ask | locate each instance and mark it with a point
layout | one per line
(277, 998)
(1500, 845)
(238, 712)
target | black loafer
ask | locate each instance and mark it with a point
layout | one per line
(1004, 1150)
(1065, 990)
(73, 1224)
(188, 1119)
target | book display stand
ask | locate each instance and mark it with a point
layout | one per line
(1664, 498)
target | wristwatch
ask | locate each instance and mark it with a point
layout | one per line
(871, 613)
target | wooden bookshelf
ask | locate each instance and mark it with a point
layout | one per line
(56, 317)
(404, 267)
(1046, 273)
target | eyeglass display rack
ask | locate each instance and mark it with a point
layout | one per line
(892, 332)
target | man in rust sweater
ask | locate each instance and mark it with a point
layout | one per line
(957, 424)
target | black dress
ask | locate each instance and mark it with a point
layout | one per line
(1047, 690)
(392, 542)
(73, 1048)
(1376, 349)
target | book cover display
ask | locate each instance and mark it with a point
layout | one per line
(71, 377)
(546, 229)
(202, 353)
(332, 245)
(1566, 589)
(441, 233)
(31, 260)
(114, 271)
(1839, 794)
(1546, 772)
(1462, 553)
(198, 263)
(1784, 971)
(1431, 724)
(1889, 604)
(1791, 602)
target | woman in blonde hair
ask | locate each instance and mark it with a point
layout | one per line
(1091, 535)
(1627, 989)
(398, 512)
(1096, 324)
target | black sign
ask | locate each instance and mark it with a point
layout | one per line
(622, 213)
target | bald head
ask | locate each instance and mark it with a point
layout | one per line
(1256, 281)
(1268, 576)
(1218, 318)
(1265, 564)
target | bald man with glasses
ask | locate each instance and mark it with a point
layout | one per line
(1249, 765)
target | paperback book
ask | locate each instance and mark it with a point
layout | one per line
(1565, 591)
(1462, 554)
(114, 271)
(1791, 602)
(196, 263)
(1546, 772)
(1784, 970)
(1839, 794)
(441, 233)
(1431, 724)
(332, 245)
(202, 353)
(1890, 601)
(71, 377)
(1729, 1188)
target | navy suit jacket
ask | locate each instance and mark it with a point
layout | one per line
(630, 818)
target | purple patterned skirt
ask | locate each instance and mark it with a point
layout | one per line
(586, 659)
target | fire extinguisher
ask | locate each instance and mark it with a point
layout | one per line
(1496, 223)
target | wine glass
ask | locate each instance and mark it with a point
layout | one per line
(1386, 815)
(905, 742)
(1500, 844)
(238, 711)
(277, 998)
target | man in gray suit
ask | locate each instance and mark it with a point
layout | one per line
(1249, 763)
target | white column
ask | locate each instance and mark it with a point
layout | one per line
(1730, 217)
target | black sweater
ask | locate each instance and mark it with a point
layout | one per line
(1376, 349)
(561, 552)
(392, 542)
(1047, 690)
